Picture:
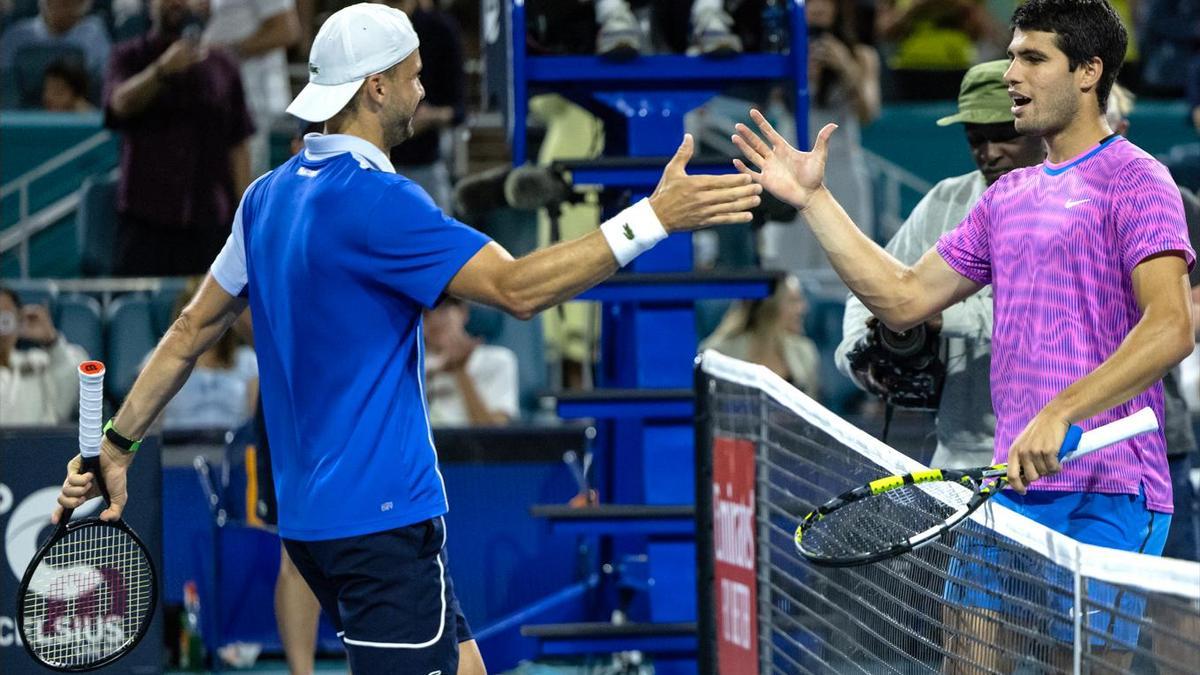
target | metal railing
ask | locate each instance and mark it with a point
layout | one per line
(105, 290)
(18, 235)
(890, 180)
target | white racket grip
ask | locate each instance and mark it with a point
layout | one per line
(91, 407)
(1141, 422)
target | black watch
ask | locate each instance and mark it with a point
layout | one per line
(126, 445)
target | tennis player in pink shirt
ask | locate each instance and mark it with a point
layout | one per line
(1088, 257)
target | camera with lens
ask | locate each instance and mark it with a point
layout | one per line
(903, 368)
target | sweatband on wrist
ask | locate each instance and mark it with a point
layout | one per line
(633, 232)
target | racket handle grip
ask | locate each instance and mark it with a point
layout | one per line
(92, 465)
(1141, 422)
(1071, 442)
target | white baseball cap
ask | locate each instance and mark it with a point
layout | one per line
(353, 44)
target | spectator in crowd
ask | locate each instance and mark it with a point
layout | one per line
(467, 383)
(59, 23)
(38, 385)
(444, 107)
(935, 43)
(844, 89)
(64, 88)
(1169, 34)
(222, 392)
(185, 158)
(770, 331)
(258, 33)
(965, 420)
(620, 35)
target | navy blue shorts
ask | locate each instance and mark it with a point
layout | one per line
(389, 596)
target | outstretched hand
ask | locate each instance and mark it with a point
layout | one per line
(684, 202)
(790, 174)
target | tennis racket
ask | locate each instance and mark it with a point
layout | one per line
(89, 594)
(894, 515)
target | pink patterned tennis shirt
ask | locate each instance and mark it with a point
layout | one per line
(1058, 243)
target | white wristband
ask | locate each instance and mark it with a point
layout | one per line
(633, 232)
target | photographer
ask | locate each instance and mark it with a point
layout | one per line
(962, 341)
(38, 385)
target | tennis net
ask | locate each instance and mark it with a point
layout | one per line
(1001, 594)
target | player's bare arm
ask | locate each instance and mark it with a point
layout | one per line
(900, 295)
(544, 278)
(1158, 342)
(205, 319)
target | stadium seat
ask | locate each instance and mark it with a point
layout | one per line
(162, 303)
(34, 291)
(30, 65)
(97, 226)
(129, 335)
(525, 339)
(78, 317)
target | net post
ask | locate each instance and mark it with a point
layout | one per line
(762, 534)
(1077, 574)
(706, 619)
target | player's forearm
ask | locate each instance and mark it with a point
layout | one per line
(553, 275)
(884, 285)
(1153, 347)
(281, 30)
(133, 95)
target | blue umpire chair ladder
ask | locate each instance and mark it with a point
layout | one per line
(643, 405)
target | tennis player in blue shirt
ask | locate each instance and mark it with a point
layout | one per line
(337, 255)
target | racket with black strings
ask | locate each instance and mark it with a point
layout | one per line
(891, 516)
(89, 593)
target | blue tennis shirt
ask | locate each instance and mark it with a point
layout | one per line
(339, 255)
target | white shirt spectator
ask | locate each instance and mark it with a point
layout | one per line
(494, 371)
(39, 386)
(265, 76)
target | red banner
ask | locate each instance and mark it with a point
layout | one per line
(734, 583)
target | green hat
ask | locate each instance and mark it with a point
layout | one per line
(983, 97)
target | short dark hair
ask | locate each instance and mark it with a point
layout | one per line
(1084, 29)
(70, 72)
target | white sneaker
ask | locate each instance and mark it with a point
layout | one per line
(620, 35)
(711, 35)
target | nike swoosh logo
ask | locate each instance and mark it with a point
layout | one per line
(1072, 203)
(628, 232)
